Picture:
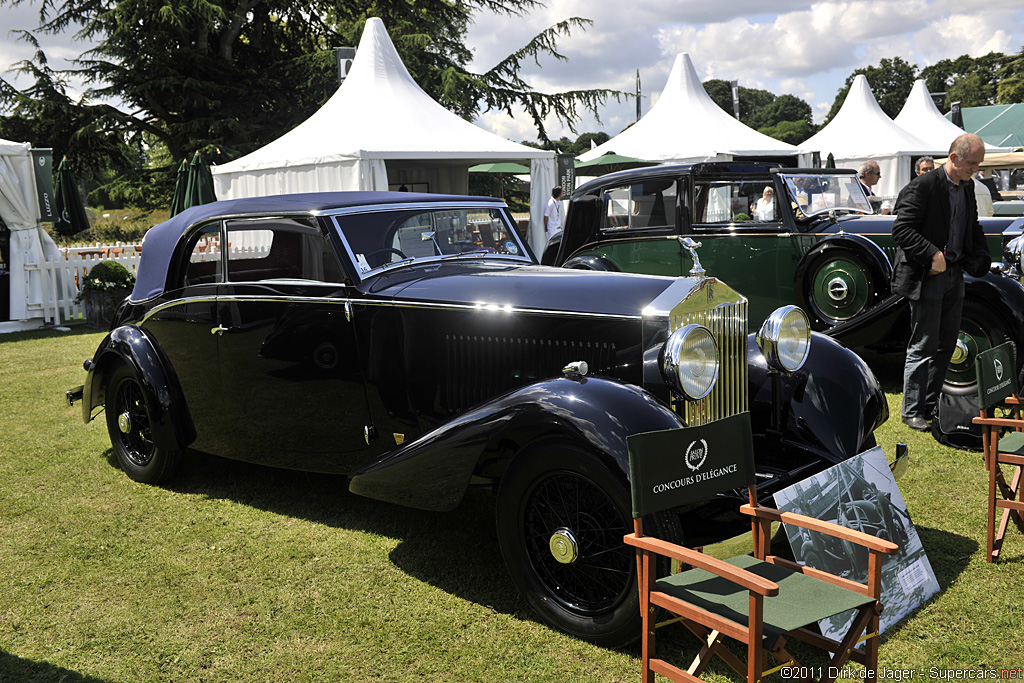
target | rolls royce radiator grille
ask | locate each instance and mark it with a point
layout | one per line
(481, 367)
(728, 324)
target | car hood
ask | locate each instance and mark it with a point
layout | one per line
(523, 287)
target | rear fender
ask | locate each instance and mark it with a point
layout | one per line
(591, 262)
(170, 421)
(433, 472)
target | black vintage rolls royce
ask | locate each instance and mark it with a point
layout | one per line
(413, 342)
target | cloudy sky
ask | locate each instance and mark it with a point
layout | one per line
(803, 47)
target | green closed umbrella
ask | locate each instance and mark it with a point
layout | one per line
(200, 183)
(609, 162)
(180, 188)
(830, 161)
(71, 216)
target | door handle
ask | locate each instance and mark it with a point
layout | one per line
(218, 330)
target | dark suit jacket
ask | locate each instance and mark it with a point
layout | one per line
(922, 227)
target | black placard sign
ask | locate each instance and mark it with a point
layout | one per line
(995, 370)
(679, 466)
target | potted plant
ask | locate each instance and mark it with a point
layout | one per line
(102, 290)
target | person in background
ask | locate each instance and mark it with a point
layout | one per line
(868, 174)
(764, 207)
(553, 212)
(939, 238)
(921, 166)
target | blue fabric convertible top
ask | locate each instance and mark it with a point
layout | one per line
(161, 239)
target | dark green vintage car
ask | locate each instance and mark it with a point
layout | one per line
(781, 236)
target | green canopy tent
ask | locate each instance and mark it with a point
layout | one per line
(71, 216)
(609, 162)
(1000, 125)
(500, 170)
(180, 188)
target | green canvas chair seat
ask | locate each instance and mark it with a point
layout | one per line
(997, 387)
(802, 600)
(758, 600)
(1012, 443)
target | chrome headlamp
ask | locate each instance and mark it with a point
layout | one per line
(1012, 253)
(690, 361)
(785, 338)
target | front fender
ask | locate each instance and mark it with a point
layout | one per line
(433, 472)
(831, 406)
(170, 421)
(1004, 295)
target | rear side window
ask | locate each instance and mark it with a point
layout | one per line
(649, 204)
(204, 261)
(280, 249)
(732, 201)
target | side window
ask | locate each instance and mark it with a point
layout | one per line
(204, 261)
(280, 249)
(732, 202)
(650, 204)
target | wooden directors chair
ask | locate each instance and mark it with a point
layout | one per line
(757, 600)
(997, 386)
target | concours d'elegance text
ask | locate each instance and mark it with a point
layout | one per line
(686, 481)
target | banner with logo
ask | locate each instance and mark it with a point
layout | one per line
(680, 466)
(42, 162)
(566, 173)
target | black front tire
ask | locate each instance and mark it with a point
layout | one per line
(561, 516)
(129, 426)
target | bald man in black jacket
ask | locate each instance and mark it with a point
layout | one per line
(940, 238)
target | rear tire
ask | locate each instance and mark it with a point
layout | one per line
(129, 427)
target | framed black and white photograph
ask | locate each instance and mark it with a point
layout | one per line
(861, 494)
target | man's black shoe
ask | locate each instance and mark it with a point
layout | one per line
(916, 423)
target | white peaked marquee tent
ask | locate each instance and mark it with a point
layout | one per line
(922, 118)
(381, 129)
(685, 125)
(19, 209)
(861, 131)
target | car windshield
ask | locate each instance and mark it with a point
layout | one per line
(814, 194)
(382, 239)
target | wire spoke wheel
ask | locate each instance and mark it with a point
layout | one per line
(573, 534)
(131, 430)
(133, 422)
(561, 514)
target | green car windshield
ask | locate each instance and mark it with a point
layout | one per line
(815, 194)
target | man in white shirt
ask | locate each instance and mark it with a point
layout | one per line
(553, 212)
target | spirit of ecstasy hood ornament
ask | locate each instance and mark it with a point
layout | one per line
(691, 246)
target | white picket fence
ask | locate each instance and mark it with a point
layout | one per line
(62, 276)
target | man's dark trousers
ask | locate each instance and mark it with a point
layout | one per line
(934, 327)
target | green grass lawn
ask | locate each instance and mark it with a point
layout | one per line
(241, 573)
